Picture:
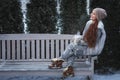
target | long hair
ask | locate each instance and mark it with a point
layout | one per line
(91, 34)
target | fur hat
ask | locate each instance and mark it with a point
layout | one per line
(100, 13)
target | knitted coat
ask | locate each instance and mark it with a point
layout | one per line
(101, 37)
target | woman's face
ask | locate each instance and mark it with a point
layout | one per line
(93, 16)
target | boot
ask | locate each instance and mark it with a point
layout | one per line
(56, 63)
(69, 71)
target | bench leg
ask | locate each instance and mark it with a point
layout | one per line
(90, 77)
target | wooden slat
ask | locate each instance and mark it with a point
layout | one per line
(13, 49)
(42, 49)
(70, 40)
(47, 49)
(66, 43)
(18, 49)
(8, 50)
(34, 36)
(52, 49)
(0, 49)
(62, 46)
(3, 49)
(57, 48)
(37, 49)
(28, 49)
(33, 49)
(23, 49)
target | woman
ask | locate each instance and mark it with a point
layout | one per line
(94, 37)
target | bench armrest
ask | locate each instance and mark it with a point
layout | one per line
(94, 58)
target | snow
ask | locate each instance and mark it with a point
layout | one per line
(107, 77)
(96, 77)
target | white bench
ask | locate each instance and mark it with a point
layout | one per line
(25, 54)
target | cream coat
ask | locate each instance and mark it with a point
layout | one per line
(100, 39)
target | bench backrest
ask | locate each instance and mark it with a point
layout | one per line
(33, 47)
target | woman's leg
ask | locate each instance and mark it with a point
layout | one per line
(68, 52)
(68, 55)
(69, 70)
(70, 60)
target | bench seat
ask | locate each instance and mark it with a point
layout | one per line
(40, 68)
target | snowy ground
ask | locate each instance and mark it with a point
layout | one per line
(96, 77)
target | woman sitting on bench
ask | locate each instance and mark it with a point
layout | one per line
(91, 42)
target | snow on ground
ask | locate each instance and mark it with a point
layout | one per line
(107, 77)
(96, 77)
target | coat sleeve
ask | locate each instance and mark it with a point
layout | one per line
(99, 34)
(100, 39)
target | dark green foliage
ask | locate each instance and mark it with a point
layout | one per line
(74, 16)
(41, 16)
(10, 16)
(110, 56)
